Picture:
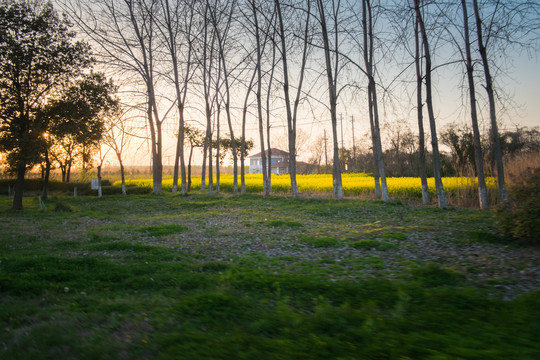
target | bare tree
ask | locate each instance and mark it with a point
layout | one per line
(441, 196)
(482, 48)
(206, 61)
(368, 36)
(271, 37)
(420, 112)
(268, 188)
(102, 155)
(332, 74)
(218, 142)
(117, 137)
(292, 112)
(259, 53)
(482, 190)
(224, 17)
(124, 32)
(182, 13)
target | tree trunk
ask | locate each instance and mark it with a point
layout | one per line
(210, 170)
(63, 171)
(419, 108)
(218, 150)
(233, 142)
(99, 181)
(492, 112)
(45, 189)
(243, 139)
(157, 175)
(376, 175)
(68, 171)
(19, 187)
(179, 158)
(441, 196)
(123, 177)
(380, 159)
(156, 154)
(189, 169)
(482, 190)
(157, 165)
(205, 154)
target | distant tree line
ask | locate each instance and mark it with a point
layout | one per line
(401, 154)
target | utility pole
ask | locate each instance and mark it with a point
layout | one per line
(325, 152)
(353, 143)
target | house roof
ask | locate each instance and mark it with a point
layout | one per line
(275, 153)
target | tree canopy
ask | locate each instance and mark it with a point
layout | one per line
(77, 118)
(38, 55)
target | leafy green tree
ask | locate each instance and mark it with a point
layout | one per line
(460, 140)
(38, 55)
(227, 146)
(195, 137)
(77, 119)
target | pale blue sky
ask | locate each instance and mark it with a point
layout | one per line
(527, 76)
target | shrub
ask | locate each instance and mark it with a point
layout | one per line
(111, 190)
(320, 241)
(63, 207)
(520, 218)
(138, 190)
(36, 185)
(432, 275)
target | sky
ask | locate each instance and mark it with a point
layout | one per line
(523, 83)
(527, 89)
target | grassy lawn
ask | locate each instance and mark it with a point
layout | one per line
(198, 277)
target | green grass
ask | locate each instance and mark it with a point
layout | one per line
(372, 244)
(162, 230)
(320, 241)
(198, 277)
(284, 223)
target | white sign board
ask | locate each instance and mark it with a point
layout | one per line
(94, 184)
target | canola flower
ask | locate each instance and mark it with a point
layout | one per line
(353, 184)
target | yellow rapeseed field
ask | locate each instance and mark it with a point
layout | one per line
(353, 184)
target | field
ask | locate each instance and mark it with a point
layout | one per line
(246, 277)
(462, 191)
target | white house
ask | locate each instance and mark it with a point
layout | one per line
(279, 162)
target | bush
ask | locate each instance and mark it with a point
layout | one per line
(320, 241)
(36, 186)
(62, 207)
(520, 218)
(111, 190)
(137, 190)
